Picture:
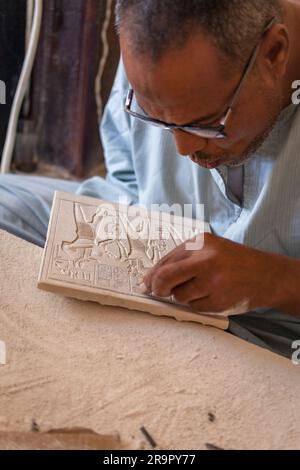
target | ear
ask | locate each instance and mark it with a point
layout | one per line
(275, 51)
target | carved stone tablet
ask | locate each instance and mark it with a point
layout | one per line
(100, 251)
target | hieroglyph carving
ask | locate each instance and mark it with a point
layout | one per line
(113, 247)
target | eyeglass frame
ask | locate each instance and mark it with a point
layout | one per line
(206, 132)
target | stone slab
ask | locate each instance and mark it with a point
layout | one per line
(100, 251)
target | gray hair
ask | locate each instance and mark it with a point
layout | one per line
(155, 26)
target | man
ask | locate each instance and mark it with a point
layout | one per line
(220, 75)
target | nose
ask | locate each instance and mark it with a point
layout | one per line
(187, 144)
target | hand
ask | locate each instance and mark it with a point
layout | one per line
(219, 276)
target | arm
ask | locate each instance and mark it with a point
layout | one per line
(289, 286)
(115, 131)
(116, 139)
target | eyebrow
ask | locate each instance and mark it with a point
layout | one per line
(209, 117)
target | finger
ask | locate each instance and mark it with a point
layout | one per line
(172, 275)
(177, 254)
(189, 292)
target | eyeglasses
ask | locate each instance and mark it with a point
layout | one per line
(206, 132)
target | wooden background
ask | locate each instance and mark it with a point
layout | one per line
(61, 128)
(12, 44)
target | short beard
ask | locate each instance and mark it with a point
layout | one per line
(256, 144)
(251, 151)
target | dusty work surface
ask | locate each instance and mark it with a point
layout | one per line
(79, 365)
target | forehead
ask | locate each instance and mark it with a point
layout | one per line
(183, 78)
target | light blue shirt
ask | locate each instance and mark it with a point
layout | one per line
(143, 164)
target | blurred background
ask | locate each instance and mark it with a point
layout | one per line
(75, 63)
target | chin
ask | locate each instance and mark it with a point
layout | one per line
(208, 164)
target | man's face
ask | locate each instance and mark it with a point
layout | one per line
(192, 84)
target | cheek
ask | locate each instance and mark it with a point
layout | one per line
(264, 106)
(250, 120)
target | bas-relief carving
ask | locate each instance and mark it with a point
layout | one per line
(100, 251)
(109, 251)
